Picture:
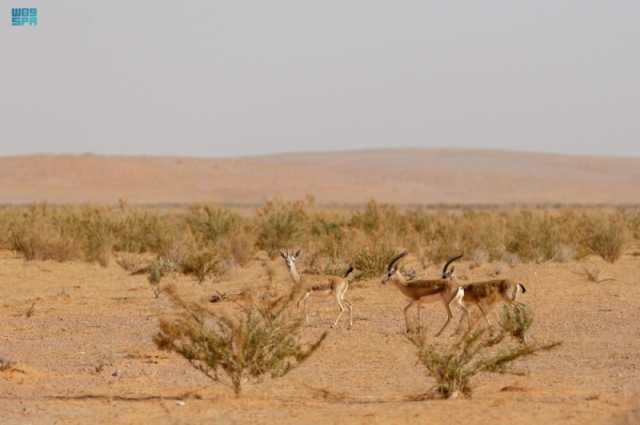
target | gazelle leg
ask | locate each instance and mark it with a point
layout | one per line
(459, 300)
(339, 301)
(447, 305)
(348, 304)
(419, 308)
(484, 313)
(304, 307)
(406, 318)
(350, 307)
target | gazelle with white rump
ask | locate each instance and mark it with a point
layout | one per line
(421, 291)
(328, 285)
(485, 294)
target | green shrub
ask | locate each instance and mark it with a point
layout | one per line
(143, 231)
(606, 237)
(280, 224)
(372, 259)
(201, 264)
(37, 236)
(210, 224)
(265, 338)
(516, 321)
(454, 366)
(94, 228)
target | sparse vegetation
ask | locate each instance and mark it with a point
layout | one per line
(263, 338)
(280, 224)
(516, 321)
(606, 237)
(157, 270)
(205, 237)
(454, 366)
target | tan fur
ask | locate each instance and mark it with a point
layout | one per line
(485, 294)
(319, 285)
(422, 291)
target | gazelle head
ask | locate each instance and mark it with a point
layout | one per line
(392, 269)
(290, 258)
(448, 274)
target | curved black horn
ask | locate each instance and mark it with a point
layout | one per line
(348, 272)
(451, 260)
(396, 259)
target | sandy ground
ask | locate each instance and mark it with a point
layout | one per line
(81, 337)
(403, 176)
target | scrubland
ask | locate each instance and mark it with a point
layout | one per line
(109, 316)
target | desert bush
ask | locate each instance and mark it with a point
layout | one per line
(516, 321)
(329, 239)
(241, 246)
(202, 263)
(329, 236)
(605, 236)
(280, 224)
(454, 366)
(264, 338)
(143, 231)
(37, 237)
(94, 229)
(372, 259)
(210, 224)
(533, 237)
(380, 218)
(632, 219)
(157, 270)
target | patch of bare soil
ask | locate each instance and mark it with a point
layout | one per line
(79, 337)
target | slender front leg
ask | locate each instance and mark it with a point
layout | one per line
(449, 316)
(459, 300)
(304, 307)
(350, 307)
(339, 301)
(484, 314)
(459, 294)
(348, 304)
(406, 318)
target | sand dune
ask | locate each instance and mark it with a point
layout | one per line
(422, 176)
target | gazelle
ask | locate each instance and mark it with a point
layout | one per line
(335, 285)
(426, 290)
(487, 293)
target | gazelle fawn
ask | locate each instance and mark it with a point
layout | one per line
(422, 291)
(328, 285)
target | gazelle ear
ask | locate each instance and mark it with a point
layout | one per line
(298, 252)
(283, 255)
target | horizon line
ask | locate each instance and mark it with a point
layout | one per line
(313, 151)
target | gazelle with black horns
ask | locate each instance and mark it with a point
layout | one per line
(421, 291)
(336, 285)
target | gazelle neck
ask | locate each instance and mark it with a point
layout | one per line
(293, 273)
(399, 280)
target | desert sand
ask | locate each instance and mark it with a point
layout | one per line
(402, 176)
(81, 337)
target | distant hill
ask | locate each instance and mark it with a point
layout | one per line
(407, 176)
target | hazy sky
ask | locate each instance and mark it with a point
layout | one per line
(220, 78)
